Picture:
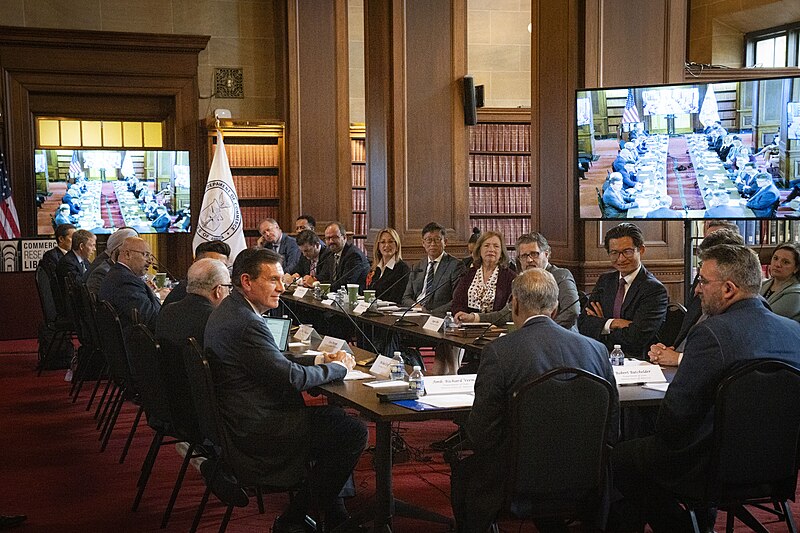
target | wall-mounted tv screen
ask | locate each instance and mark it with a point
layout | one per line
(103, 190)
(722, 149)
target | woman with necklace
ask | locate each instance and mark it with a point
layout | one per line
(486, 286)
(782, 289)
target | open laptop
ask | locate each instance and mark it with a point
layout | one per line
(279, 327)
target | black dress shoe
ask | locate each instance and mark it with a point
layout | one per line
(224, 484)
(8, 522)
(283, 525)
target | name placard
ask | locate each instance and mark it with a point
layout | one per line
(433, 323)
(381, 366)
(299, 292)
(450, 384)
(303, 332)
(634, 371)
(330, 344)
(360, 308)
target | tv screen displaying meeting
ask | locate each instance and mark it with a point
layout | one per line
(721, 149)
(103, 190)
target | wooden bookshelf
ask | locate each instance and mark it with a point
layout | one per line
(255, 154)
(499, 174)
(358, 172)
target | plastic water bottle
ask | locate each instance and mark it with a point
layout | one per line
(449, 323)
(617, 358)
(397, 369)
(416, 382)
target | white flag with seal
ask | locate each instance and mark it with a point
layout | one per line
(709, 112)
(220, 216)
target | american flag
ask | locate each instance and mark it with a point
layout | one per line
(631, 114)
(75, 167)
(9, 223)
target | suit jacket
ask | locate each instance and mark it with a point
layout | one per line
(617, 203)
(96, 276)
(645, 305)
(502, 291)
(290, 252)
(126, 291)
(177, 294)
(445, 280)
(70, 265)
(258, 388)
(304, 265)
(762, 201)
(353, 268)
(50, 260)
(785, 302)
(98, 260)
(693, 312)
(679, 452)
(619, 164)
(391, 283)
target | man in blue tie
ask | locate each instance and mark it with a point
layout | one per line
(628, 305)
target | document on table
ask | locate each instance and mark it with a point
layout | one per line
(356, 375)
(447, 401)
(409, 313)
(656, 386)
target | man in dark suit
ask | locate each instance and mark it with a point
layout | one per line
(538, 346)
(125, 289)
(764, 201)
(273, 238)
(617, 201)
(258, 390)
(628, 306)
(672, 355)
(347, 263)
(50, 258)
(433, 279)
(218, 250)
(114, 241)
(313, 259)
(75, 263)
(677, 456)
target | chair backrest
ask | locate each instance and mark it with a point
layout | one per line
(774, 207)
(559, 440)
(89, 307)
(756, 428)
(45, 291)
(172, 368)
(672, 324)
(145, 356)
(600, 202)
(112, 343)
(201, 384)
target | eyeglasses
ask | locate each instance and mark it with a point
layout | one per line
(533, 256)
(627, 252)
(703, 281)
(432, 241)
(228, 286)
(147, 255)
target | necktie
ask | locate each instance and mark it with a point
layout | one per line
(429, 278)
(335, 264)
(619, 298)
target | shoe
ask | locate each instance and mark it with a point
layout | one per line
(11, 521)
(283, 525)
(225, 486)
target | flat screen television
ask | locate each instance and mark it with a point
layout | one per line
(103, 190)
(721, 149)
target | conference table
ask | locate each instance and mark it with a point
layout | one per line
(354, 394)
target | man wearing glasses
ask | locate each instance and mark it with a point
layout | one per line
(125, 289)
(628, 306)
(533, 251)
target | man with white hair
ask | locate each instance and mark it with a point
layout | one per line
(764, 201)
(62, 215)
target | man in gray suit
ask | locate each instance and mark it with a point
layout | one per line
(258, 388)
(538, 346)
(432, 281)
(533, 251)
(273, 238)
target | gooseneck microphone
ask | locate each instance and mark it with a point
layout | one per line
(163, 268)
(287, 308)
(482, 339)
(583, 300)
(358, 328)
(429, 293)
(369, 312)
(344, 276)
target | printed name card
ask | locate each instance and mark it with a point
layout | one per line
(330, 344)
(450, 384)
(299, 292)
(634, 371)
(381, 366)
(327, 302)
(433, 323)
(303, 332)
(360, 308)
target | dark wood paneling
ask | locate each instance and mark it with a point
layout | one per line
(21, 314)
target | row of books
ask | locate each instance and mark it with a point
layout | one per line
(359, 175)
(499, 168)
(500, 137)
(769, 232)
(359, 200)
(506, 200)
(509, 228)
(256, 186)
(252, 216)
(253, 155)
(358, 150)
(359, 224)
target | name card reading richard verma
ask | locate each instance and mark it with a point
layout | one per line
(450, 384)
(635, 371)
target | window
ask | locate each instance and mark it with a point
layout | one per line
(775, 47)
(771, 52)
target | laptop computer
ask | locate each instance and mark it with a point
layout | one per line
(279, 327)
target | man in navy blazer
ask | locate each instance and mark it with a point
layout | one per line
(51, 257)
(627, 306)
(677, 456)
(538, 346)
(273, 238)
(762, 202)
(125, 289)
(258, 388)
(346, 264)
(617, 200)
(75, 263)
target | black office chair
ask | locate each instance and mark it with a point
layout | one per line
(57, 329)
(225, 462)
(600, 202)
(754, 459)
(672, 324)
(559, 455)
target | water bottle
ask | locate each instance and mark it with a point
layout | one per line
(416, 382)
(397, 369)
(449, 323)
(617, 358)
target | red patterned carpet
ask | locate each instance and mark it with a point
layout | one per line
(109, 207)
(682, 184)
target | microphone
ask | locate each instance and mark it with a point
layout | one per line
(287, 308)
(369, 312)
(320, 262)
(583, 299)
(427, 295)
(361, 331)
(344, 276)
(162, 267)
(482, 339)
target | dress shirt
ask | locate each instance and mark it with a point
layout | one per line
(436, 263)
(628, 280)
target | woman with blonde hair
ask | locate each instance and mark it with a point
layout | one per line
(388, 267)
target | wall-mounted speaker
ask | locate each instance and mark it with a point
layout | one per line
(470, 110)
(479, 96)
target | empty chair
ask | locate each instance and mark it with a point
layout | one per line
(672, 324)
(57, 329)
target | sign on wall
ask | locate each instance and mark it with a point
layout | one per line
(23, 255)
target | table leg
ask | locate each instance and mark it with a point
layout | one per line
(383, 477)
